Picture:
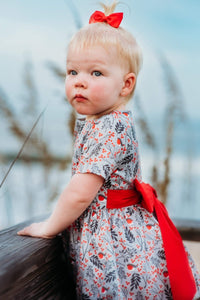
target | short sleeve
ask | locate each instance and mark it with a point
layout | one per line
(104, 147)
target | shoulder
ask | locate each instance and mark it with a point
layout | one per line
(115, 121)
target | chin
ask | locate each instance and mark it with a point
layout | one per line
(81, 112)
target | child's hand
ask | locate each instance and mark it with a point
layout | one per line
(71, 204)
(36, 230)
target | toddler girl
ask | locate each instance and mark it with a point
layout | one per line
(122, 242)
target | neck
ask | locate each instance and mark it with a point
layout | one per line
(97, 116)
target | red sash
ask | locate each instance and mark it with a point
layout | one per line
(180, 275)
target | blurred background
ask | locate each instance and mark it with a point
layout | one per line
(34, 111)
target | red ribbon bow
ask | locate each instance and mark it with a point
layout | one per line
(180, 275)
(181, 278)
(113, 20)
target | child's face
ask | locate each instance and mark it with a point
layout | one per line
(94, 81)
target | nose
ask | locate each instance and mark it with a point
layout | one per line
(81, 81)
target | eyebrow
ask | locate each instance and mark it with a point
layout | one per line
(88, 61)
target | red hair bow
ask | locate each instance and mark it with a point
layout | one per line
(113, 20)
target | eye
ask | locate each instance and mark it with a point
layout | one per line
(96, 73)
(72, 72)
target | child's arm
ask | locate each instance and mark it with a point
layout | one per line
(75, 198)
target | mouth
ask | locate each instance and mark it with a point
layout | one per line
(80, 98)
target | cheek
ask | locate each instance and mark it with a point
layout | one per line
(67, 88)
(98, 89)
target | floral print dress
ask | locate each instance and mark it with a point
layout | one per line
(116, 253)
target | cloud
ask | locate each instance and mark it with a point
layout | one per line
(42, 42)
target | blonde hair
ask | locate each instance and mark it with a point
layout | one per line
(129, 54)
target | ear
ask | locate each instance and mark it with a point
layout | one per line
(128, 85)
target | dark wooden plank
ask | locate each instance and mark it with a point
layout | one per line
(32, 268)
(188, 229)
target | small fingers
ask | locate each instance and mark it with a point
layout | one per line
(25, 231)
(36, 230)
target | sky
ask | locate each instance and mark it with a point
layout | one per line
(40, 30)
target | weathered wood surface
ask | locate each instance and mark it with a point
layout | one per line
(188, 229)
(32, 268)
